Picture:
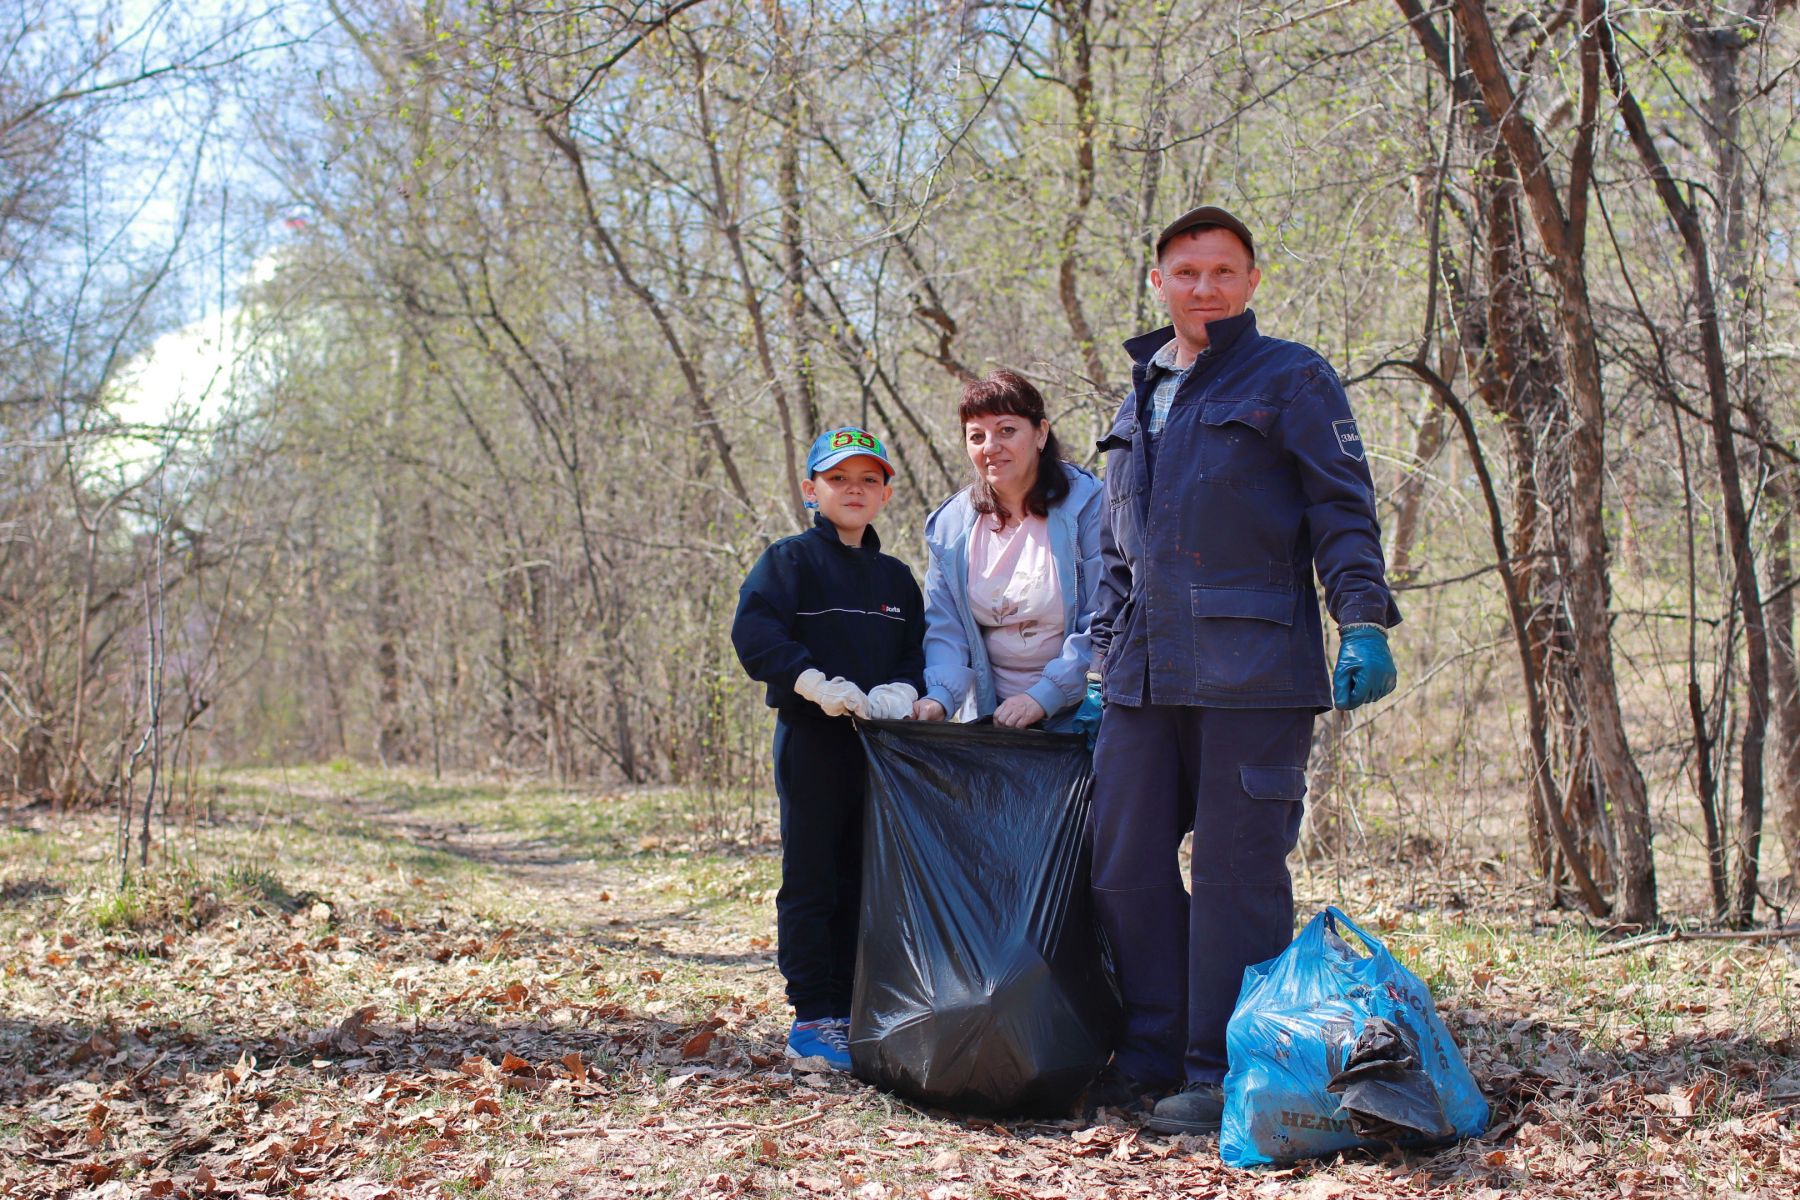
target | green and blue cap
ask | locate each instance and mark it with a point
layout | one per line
(835, 445)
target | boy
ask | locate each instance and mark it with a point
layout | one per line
(833, 627)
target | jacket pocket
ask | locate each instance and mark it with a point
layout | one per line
(1241, 638)
(1234, 438)
(1253, 413)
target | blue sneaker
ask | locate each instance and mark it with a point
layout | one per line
(824, 1038)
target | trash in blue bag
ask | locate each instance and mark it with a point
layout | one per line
(1386, 1091)
(1332, 1049)
(981, 984)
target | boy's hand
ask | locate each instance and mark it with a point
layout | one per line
(928, 710)
(835, 696)
(892, 701)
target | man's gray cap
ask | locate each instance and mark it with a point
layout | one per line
(1207, 216)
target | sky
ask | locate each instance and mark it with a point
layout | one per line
(188, 151)
(164, 181)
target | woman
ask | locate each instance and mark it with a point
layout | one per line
(1014, 570)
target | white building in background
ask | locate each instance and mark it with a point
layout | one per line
(175, 397)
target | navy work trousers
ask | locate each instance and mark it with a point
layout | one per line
(1236, 777)
(820, 777)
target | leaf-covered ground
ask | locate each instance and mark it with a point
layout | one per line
(357, 985)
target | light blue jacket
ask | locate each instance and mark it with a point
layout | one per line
(956, 662)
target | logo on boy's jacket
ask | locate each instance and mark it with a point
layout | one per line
(891, 609)
(1349, 441)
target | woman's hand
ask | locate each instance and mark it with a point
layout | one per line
(928, 710)
(1019, 712)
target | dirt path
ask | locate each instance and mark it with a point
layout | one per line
(634, 902)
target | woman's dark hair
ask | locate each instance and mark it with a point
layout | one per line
(1006, 393)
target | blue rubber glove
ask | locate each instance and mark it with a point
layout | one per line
(1087, 717)
(1365, 669)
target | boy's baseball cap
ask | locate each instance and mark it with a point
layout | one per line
(1207, 216)
(835, 445)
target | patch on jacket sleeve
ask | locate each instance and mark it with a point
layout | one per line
(1348, 440)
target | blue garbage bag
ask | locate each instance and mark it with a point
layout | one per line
(1331, 1048)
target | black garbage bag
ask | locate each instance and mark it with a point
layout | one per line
(1387, 1095)
(980, 984)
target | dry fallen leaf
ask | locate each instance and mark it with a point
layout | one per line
(353, 1032)
(1686, 1101)
(945, 1161)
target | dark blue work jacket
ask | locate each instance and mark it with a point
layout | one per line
(1213, 531)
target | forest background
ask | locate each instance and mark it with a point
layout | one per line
(414, 383)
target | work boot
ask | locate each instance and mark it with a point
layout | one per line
(1196, 1108)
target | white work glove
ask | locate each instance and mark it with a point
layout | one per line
(835, 696)
(892, 701)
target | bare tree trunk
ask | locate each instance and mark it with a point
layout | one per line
(32, 776)
(1543, 785)
(1563, 235)
(793, 230)
(1409, 500)
(1706, 770)
(929, 307)
(1506, 352)
(155, 630)
(724, 214)
(626, 744)
(1784, 674)
(390, 734)
(1075, 21)
(1150, 175)
(1716, 42)
(1748, 841)
(608, 246)
(72, 758)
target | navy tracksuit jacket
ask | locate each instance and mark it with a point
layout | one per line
(811, 601)
(1209, 640)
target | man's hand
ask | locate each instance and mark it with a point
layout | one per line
(834, 696)
(929, 710)
(1087, 717)
(1365, 668)
(1018, 712)
(891, 701)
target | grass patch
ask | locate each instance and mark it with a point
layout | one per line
(182, 897)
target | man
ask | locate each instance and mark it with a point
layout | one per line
(1233, 469)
